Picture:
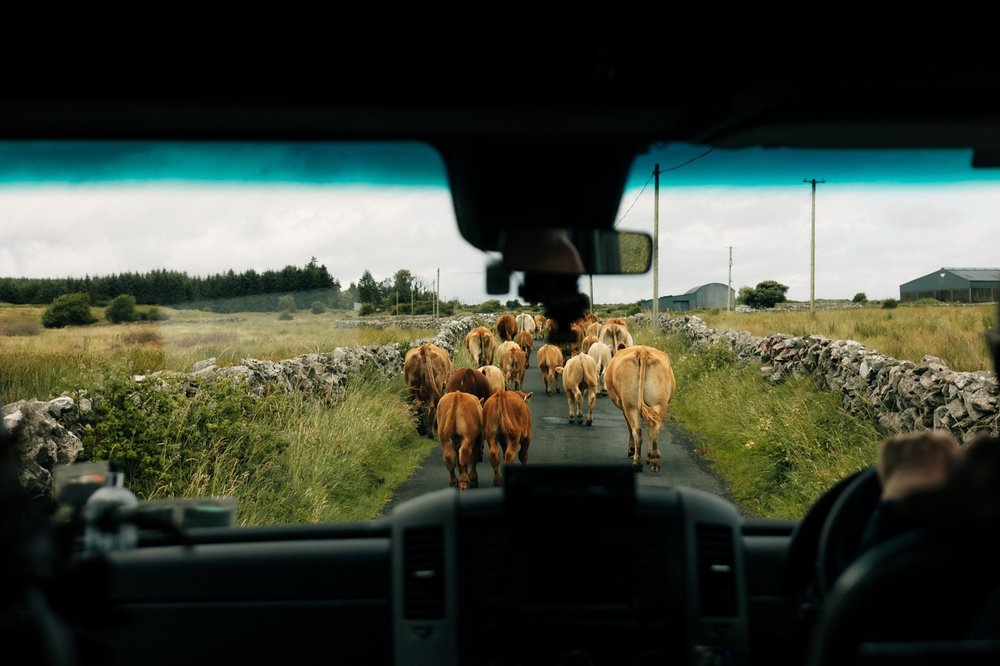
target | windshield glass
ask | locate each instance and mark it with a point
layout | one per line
(231, 319)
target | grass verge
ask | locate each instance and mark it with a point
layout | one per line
(778, 447)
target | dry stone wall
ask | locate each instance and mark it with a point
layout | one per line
(49, 433)
(905, 396)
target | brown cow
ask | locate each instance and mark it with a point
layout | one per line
(512, 361)
(618, 320)
(525, 341)
(578, 375)
(494, 376)
(469, 381)
(480, 344)
(541, 326)
(641, 383)
(506, 326)
(586, 342)
(460, 428)
(550, 357)
(507, 428)
(426, 369)
(593, 328)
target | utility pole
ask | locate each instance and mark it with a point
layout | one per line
(812, 246)
(656, 246)
(591, 308)
(437, 295)
(729, 287)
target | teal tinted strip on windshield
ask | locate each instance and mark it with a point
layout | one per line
(397, 164)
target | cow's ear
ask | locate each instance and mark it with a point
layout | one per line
(559, 370)
(527, 396)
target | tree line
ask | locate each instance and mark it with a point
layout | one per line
(253, 291)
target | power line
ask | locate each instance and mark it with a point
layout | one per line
(636, 199)
(658, 170)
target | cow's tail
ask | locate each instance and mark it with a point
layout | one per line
(506, 423)
(647, 413)
(485, 348)
(430, 382)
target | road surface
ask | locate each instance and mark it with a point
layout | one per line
(556, 441)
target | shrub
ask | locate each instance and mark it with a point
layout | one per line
(68, 310)
(152, 313)
(633, 309)
(318, 307)
(286, 302)
(491, 305)
(163, 434)
(285, 316)
(859, 298)
(889, 303)
(766, 294)
(121, 309)
(513, 304)
(366, 309)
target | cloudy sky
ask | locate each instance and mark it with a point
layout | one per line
(882, 217)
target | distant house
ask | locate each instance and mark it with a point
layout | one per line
(711, 295)
(962, 285)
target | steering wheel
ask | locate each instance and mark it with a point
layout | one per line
(799, 577)
(844, 525)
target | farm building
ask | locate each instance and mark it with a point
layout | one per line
(963, 285)
(711, 295)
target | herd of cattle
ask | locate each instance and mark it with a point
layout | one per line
(465, 408)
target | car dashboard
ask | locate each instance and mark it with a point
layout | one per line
(563, 565)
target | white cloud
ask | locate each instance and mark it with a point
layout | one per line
(867, 239)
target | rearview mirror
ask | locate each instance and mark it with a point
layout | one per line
(577, 251)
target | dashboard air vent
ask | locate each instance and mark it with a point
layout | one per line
(716, 570)
(423, 573)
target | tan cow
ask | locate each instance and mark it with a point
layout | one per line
(578, 375)
(426, 369)
(494, 376)
(525, 341)
(616, 337)
(460, 429)
(586, 342)
(512, 361)
(541, 326)
(550, 357)
(641, 383)
(601, 354)
(507, 428)
(619, 321)
(506, 326)
(480, 344)
(593, 328)
(525, 323)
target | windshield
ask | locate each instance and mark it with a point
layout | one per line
(232, 319)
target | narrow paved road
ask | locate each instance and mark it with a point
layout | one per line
(555, 441)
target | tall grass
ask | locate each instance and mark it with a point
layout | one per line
(778, 448)
(338, 463)
(56, 360)
(954, 334)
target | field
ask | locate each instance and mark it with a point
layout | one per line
(293, 458)
(41, 363)
(953, 333)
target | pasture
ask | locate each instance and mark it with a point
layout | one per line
(954, 334)
(42, 363)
